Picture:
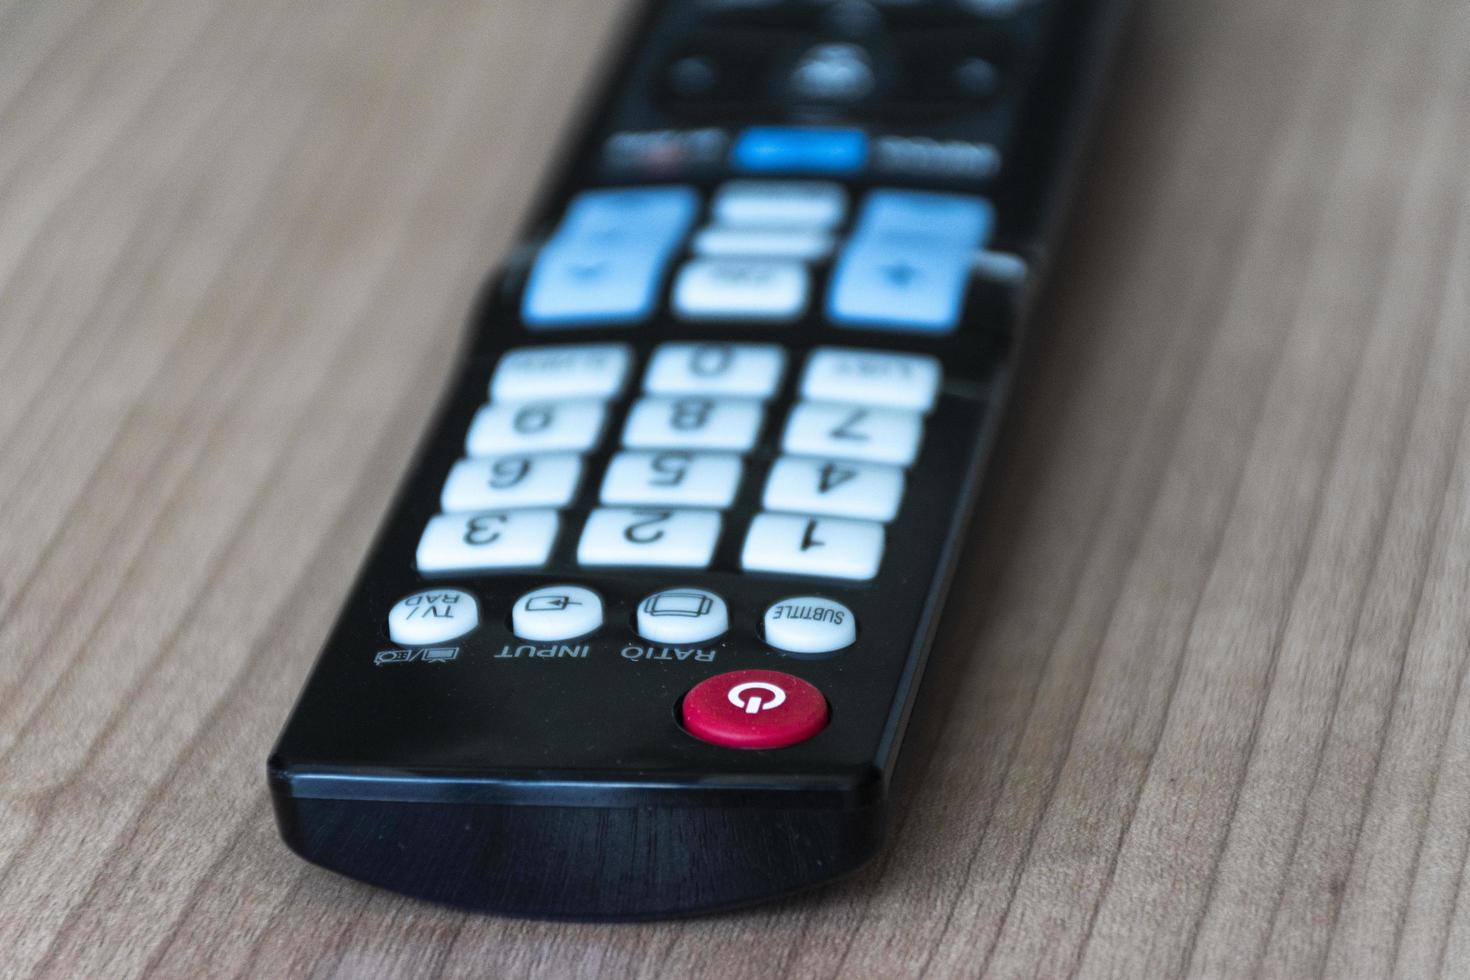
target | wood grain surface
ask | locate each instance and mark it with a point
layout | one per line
(1210, 713)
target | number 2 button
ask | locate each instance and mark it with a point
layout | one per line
(649, 536)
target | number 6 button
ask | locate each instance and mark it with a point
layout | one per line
(547, 480)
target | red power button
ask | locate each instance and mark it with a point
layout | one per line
(754, 709)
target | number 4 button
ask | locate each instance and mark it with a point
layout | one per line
(834, 487)
(790, 544)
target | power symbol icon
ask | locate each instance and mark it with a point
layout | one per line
(743, 696)
(736, 710)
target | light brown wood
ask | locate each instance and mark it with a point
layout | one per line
(1211, 716)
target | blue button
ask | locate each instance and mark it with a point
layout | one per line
(923, 219)
(907, 264)
(791, 149)
(922, 290)
(607, 259)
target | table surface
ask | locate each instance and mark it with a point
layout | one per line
(1211, 711)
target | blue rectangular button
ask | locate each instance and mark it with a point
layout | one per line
(924, 219)
(907, 265)
(795, 149)
(607, 258)
(921, 290)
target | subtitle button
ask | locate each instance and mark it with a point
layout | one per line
(682, 616)
(557, 612)
(433, 616)
(754, 709)
(809, 626)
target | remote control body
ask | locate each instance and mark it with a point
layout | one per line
(643, 631)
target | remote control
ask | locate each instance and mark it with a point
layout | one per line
(644, 629)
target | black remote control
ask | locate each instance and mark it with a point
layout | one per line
(643, 631)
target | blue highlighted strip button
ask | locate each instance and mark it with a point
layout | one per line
(804, 150)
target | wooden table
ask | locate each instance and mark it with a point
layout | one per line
(1211, 713)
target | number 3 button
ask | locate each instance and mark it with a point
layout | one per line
(649, 536)
(466, 542)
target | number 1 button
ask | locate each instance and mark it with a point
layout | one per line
(789, 544)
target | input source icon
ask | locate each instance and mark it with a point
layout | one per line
(550, 603)
(690, 604)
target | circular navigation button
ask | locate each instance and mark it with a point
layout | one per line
(432, 616)
(808, 625)
(557, 612)
(754, 709)
(682, 616)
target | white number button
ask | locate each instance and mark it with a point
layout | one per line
(827, 546)
(511, 481)
(535, 427)
(573, 371)
(870, 491)
(647, 536)
(467, 542)
(693, 423)
(861, 432)
(433, 616)
(738, 370)
(741, 289)
(839, 374)
(556, 612)
(672, 476)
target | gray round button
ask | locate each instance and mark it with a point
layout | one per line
(682, 616)
(432, 616)
(808, 624)
(557, 612)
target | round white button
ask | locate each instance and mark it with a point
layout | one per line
(432, 616)
(808, 624)
(557, 612)
(682, 616)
